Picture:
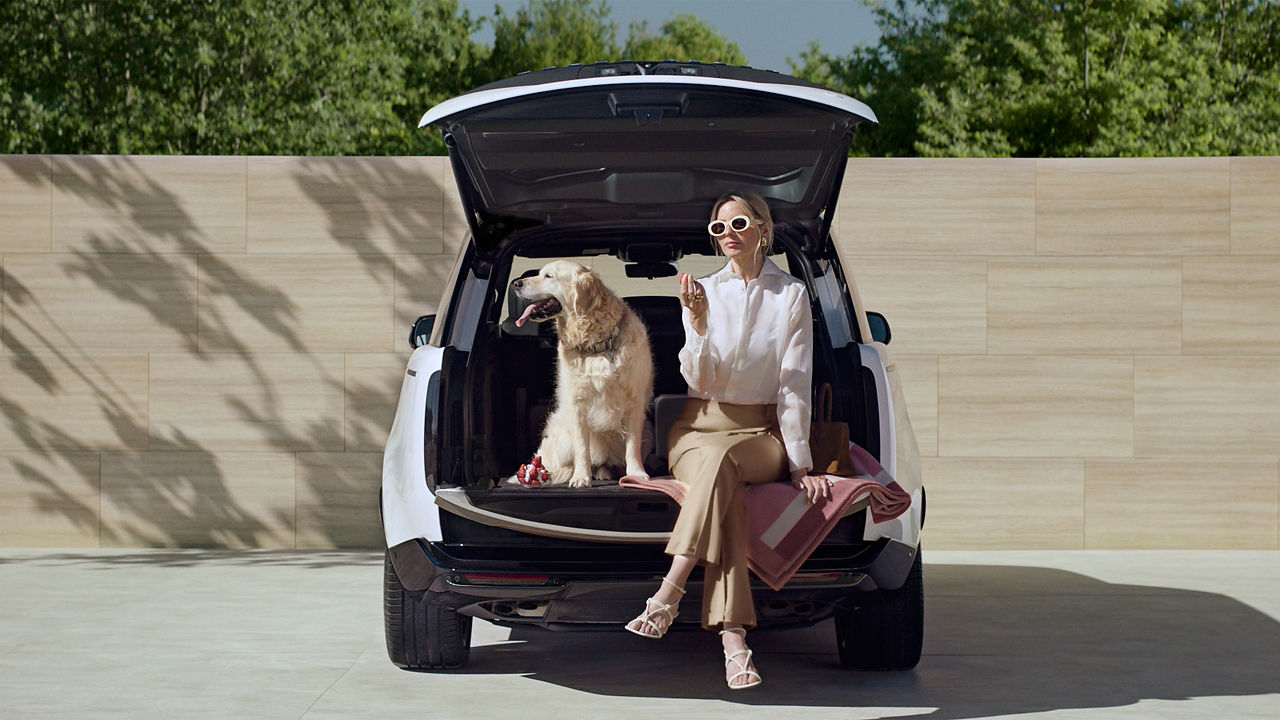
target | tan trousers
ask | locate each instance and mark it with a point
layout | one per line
(717, 449)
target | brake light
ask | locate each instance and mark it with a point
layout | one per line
(505, 579)
(815, 578)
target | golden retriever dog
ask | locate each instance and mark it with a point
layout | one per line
(604, 375)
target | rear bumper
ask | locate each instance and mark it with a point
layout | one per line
(581, 586)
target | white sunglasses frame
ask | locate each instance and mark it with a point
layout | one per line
(729, 225)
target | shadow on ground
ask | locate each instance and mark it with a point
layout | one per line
(123, 559)
(999, 640)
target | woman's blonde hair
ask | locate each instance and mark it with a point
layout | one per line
(757, 209)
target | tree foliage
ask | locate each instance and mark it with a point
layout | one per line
(440, 61)
(551, 33)
(682, 37)
(340, 77)
(1035, 78)
(231, 76)
(555, 33)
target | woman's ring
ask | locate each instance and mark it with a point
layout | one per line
(695, 297)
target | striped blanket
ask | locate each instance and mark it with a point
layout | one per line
(785, 528)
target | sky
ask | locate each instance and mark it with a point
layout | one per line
(768, 31)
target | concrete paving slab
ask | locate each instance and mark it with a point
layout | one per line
(194, 634)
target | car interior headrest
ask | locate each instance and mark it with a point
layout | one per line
(515, 308)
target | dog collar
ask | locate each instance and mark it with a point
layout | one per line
(606, 346)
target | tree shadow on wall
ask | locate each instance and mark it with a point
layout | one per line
(97, 450)
(391, 214)
(1000, 641)
(157, 486)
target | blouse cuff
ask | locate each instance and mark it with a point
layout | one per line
(692, 340)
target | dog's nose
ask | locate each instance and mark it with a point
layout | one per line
(518, 283)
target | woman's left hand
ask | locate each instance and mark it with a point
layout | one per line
(814, 486)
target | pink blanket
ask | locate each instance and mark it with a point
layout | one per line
(785, 528)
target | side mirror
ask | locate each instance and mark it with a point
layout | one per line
(420, 333)
(879, 327)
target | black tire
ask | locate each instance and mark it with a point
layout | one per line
(883, 629)
(423, 633)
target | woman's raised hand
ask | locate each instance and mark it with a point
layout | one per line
(694, 297)
(691, 293)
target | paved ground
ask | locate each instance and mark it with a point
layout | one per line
(183, 634)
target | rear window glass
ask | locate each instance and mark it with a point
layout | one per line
(613, 272)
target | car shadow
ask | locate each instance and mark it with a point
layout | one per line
(1000, 640)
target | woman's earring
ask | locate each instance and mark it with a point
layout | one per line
(764, 242)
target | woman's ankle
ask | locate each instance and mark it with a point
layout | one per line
(668, 592)
(667, 596)
(733, 637)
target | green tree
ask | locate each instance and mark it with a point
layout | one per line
(556, 33)
(681, 37)
(440, 61)
(551, 33)
(232, 76)
(342, 77)
(1092, 78)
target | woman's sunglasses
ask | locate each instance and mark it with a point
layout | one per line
(737, 223)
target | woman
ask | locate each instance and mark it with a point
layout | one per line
(747, 359)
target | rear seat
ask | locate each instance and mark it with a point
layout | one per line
(661, 315)
(666, 408)
(528, 369)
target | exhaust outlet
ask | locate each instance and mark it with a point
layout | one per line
(530, 608)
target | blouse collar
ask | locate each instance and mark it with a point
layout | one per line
(727, 273)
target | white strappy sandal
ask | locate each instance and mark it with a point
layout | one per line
(742, 665)
(645, 620)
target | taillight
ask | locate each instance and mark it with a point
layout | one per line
(504, 579)
(815, 578)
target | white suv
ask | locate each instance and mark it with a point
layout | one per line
(616, 166)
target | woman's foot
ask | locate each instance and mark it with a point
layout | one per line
(659, 611)
(740, 673)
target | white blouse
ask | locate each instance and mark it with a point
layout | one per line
(758, 350)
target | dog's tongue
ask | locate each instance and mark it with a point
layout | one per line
(524, 318)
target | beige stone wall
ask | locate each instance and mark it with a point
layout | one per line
(1091, 348)
(206, 351)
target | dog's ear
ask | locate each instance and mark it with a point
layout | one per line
(587, 293)
(594, 310)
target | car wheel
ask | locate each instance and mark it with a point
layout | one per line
(423, 633)
(883, 629)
